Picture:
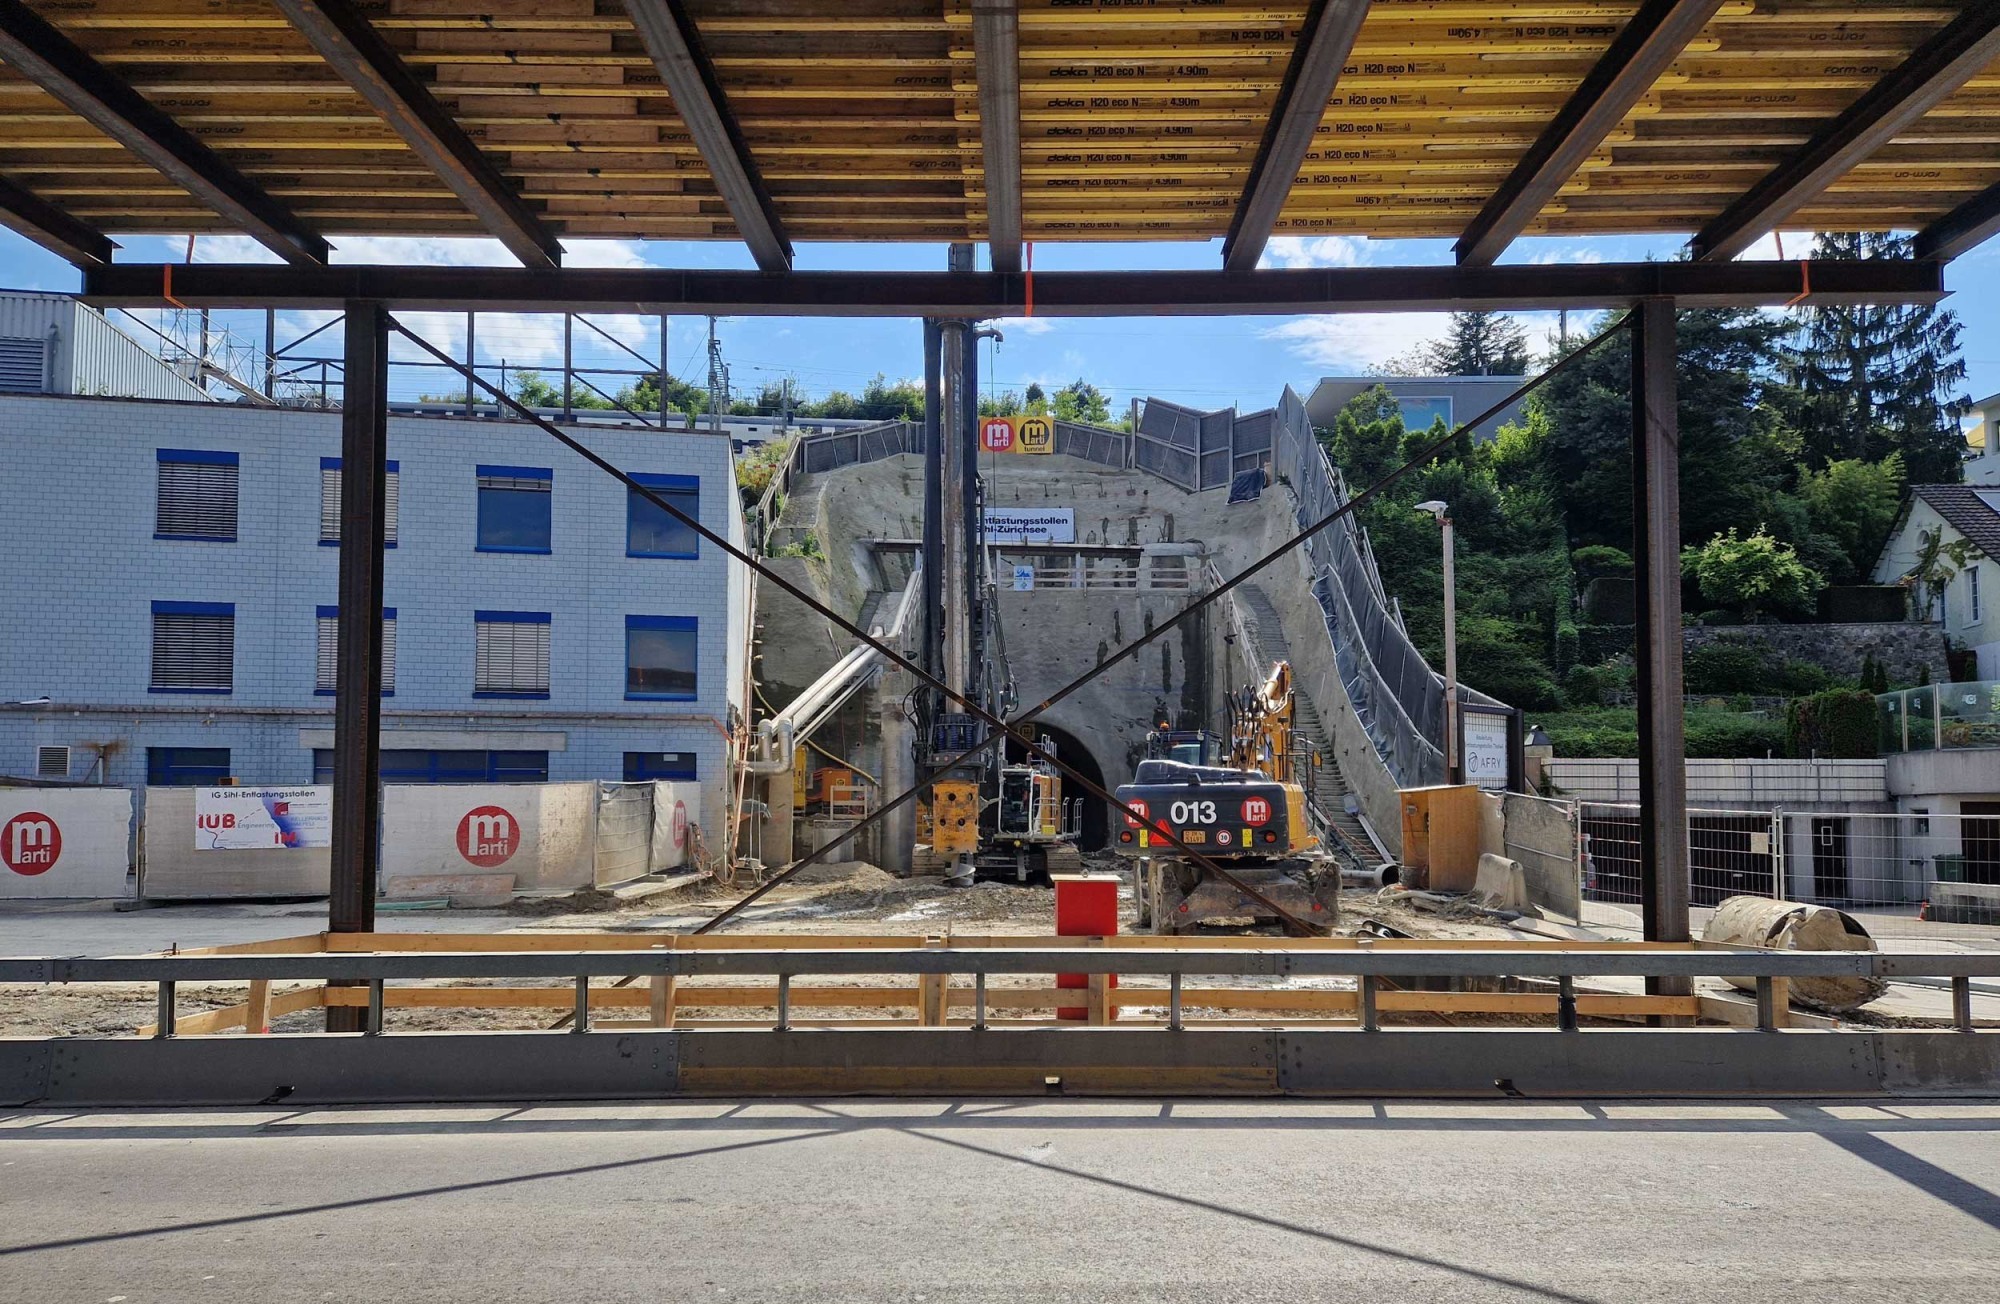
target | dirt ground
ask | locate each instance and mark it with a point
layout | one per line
(843, 899)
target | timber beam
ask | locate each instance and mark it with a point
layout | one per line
(1643, 50)
(28, 214)
(36, 50)
(671, 38)
(973, 295)
(1942, 64)
(1322, 50)
(996, 48)
(353, 48)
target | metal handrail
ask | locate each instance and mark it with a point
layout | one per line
(1554, 960)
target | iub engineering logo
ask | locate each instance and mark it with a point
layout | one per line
(488, 836)
(31, 843)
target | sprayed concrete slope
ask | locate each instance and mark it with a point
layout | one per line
(1052, 635)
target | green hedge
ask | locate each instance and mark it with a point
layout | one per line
(1614, 731)
(1839, 724)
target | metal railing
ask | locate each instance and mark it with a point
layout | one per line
(1373, 968)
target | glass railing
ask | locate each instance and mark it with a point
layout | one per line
(1938, 716)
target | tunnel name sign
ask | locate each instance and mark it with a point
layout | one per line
(259, 819)
(1030, 525)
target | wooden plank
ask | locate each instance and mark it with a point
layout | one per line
(257, 1010)
(661, 998)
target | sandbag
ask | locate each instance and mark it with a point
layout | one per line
(1795, 926)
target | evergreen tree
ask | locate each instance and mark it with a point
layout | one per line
(1478, 344)
(1874, 380)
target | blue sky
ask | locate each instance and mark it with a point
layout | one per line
(1203, 362)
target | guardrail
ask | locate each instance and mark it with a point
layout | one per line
(1376, 968)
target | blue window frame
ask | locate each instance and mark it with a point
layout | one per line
(640, 767)
(514, 508)
(190, 767)
(409, 765)
(650, 532)
(510, 654)
(194, 648)
(660, 655)
(196, 495)
(329, 502)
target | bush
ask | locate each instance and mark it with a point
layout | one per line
(1804, 678)
(1838, 724)
(1591, 686)
(1598, 559)
(1756, 575)
(1729, 667)
(1710, 734)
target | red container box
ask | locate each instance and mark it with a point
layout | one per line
(1086, 906)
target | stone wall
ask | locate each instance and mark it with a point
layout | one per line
(1905, 650)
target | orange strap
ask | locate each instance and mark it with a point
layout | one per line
(167, 285)
(1805, 284)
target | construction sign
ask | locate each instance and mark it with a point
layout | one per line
(1017, 434)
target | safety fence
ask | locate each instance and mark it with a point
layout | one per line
(1939, 717)
(1902, 875)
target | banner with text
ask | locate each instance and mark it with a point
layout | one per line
(1031, 525)
(257, 819)
(1017, 434)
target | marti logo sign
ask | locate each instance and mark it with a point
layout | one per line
(31, 843)
(488, 836)
(996, 434)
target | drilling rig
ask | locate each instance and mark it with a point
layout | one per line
(1239, 801)
(993, 816)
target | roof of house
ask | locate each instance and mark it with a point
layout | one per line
(1972, 510)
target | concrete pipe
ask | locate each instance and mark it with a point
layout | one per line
(1795, 926)
(1377, 877)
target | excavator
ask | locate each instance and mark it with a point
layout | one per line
(1240, 802)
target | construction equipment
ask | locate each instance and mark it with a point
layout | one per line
(1247, 812)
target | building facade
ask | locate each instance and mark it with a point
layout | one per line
(1967, 514)
(170, 614)
(1422, 399)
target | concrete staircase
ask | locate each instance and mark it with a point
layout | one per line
(1329, 788)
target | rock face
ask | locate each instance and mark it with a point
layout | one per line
(1905, 649)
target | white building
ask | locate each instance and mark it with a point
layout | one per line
(1963, 512)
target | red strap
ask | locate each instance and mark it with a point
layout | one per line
(1805, 284)
(167, 285)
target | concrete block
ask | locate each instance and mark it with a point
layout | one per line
(462, 889)
(1501, 882)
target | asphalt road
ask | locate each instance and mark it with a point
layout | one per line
(1006, 1201)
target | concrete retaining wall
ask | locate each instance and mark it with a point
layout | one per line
(65, 842)
(1905, 650)
(1541, 835)
(174, 868)
(542, 834)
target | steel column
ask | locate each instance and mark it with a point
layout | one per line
(996, 46)
(932, 659)
(956, 448)
(357, 703)
(1656, 555)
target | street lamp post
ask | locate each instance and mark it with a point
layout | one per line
(1453, 769)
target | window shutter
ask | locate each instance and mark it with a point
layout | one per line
(52, 762)
(511, 657)
(195, 652)
(329, 504)
(197, 500)
(326, 666)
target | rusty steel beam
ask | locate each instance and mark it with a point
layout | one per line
(1939, 66)
(353, 48)
(1323, 47)
(36, 50)
(1644, 48)
(671, 38)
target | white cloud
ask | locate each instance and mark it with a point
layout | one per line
(1025, 325)
(1315, 251)
(1354, 342)
(1567, 254)
(605, 253)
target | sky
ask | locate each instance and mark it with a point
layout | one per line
(1204, 362)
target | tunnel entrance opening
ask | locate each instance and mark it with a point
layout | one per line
(1096, 832)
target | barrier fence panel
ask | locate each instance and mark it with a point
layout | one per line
(623, 847)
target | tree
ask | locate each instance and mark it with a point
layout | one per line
(1757, 576)
(1875, 380)
(1478, 344)
(1036, 401)
(1081, 401)
(1937, 564)
(1853, 503)
(533, 391)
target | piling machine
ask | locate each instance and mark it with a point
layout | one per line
(1239, 801)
